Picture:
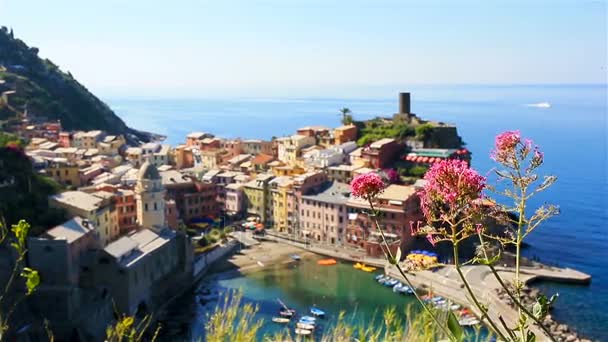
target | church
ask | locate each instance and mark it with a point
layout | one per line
(139, 268)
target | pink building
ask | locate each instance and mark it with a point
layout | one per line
(324, 214)
(399, 206)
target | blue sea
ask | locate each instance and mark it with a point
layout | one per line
(573, 133)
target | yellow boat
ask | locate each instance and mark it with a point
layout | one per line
(359, 265)
(368, 269)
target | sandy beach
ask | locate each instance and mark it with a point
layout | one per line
(258, 256)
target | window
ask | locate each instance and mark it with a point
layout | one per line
(155, 206)
(146, 206)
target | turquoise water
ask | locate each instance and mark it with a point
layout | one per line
(573, 134)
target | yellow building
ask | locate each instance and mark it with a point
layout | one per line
(280, 190)
(257, 199)
(287, 170)
(95, 209)
(63, 172)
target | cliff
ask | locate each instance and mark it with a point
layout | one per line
(30, 83)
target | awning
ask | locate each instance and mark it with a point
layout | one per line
(352, 216)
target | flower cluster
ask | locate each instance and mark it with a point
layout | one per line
(367, 186)
(450, 184)
(505, 146)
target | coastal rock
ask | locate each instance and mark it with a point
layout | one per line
(563, 328)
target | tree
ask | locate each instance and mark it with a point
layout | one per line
(347, 118)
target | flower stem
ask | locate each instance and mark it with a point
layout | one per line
(484, 311)
(407, 280)
(517, 302)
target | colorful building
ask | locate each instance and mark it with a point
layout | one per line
(381, 153)
(257, 197)
(324, 214)
(280, 191)
(399, 205)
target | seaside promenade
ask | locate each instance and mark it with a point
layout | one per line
(446, 282)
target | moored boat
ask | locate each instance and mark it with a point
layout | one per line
(306, 326)
(327, 262)
(391, 282)
(307, 318)
(281, 320)
(287, 313)
(359, 265)
(379, 276)
(303, 332)
(368, 269)
(295, 257)
(317, 312)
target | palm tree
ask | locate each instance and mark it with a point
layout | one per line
(345, 112)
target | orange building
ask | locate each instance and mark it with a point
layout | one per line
(344, 134)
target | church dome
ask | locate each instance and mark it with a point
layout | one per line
(148, 171)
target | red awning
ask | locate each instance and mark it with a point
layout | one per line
(425, 159)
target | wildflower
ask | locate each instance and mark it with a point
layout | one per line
(430, 238)
(367, 186)
(478, 228)
(505, 145)
(451, 181)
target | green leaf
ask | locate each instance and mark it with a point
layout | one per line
(531, 337)
(32, 279)
(455, 327)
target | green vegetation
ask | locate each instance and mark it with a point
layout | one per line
(126, 329)
(347, 117)
(424, 132)
(27, 190)
(12, 294)
(377, 129)
(43, 89)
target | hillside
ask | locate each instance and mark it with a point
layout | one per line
(30, 82)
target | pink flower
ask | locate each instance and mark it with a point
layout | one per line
(478, 228)
(504, 146)
(367, 186)
(431, 239)
(449, 183)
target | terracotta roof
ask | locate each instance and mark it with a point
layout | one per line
(262, 159)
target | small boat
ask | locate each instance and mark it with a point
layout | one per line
(391, 282)
(327, 262)
(384, 279)
(287, 313)
(368, 269)
(359, 265)
(303, 332)
(261, 264)
(317, 312)
(281, 320)
(454, 307)
(307, 318)
(379, 276)
(401, 288)
(295, 257)
(306, 326)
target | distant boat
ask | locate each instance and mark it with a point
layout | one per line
(540, 105)
(391, 282)
(379, 276)
(295, 257)
(281, 320)
(327, 262)
(261, 264)
(287, 313)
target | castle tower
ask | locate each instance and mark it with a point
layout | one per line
(150, 198)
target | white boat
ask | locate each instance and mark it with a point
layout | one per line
(303, 332)
(468, 321)
(281, 320)
(544, 104)
(305, 326)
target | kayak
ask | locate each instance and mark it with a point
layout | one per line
(307, 318)
(368, 269)
(359, 265)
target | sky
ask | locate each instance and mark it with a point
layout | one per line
(312, 48)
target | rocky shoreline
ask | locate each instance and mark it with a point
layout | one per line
(561, 332)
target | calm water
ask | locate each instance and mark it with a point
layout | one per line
(572, 133)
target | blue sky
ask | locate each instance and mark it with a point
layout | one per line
(331, 48)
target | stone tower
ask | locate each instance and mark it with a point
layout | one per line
(150, 198)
